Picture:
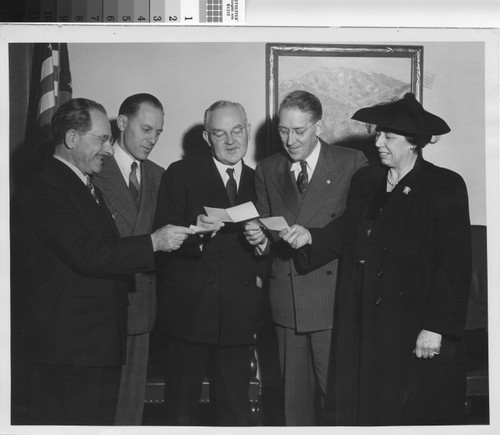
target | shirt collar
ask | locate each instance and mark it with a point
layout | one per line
(311, 160)
(124, 162)
(80, 174)
(221, 167)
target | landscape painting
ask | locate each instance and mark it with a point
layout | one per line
(344, 78)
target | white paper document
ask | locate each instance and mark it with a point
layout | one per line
(238, 213)
(274, 223)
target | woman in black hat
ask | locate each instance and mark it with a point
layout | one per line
(401, 302)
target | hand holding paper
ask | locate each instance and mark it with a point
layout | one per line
(274, 223)
(207, 224)
(253, 233)
(296, 236)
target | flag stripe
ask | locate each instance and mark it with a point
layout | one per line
(47, 68)
(54, 72)
(47, 102)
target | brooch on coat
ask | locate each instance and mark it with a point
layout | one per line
(406, 190)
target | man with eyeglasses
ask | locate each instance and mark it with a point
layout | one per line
(308, 182)
(209, 292)
(129, 183)
(75, 265)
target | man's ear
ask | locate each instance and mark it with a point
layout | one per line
(121, 122)
(207, 139)
(320, 126)
(249, 130)
(71, 138)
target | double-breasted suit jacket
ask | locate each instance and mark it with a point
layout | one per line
(77, 301)
(304, 301)
(207, 290)
(130, 221)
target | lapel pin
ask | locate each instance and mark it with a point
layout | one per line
(406, 190)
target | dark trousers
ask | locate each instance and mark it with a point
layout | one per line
(304, 360)
(229, 382)
(63, 395)
(133, 382)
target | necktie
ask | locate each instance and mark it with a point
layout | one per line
(303, 178)
(91, 187)
(133, 183)
(231, 187)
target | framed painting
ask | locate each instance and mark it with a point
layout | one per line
(345, 78)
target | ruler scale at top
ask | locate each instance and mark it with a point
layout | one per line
(128, 11)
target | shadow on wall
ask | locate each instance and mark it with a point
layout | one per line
(366, 144)
(193, 144)
(262, 142)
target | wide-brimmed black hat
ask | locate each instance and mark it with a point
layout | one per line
(406, 116)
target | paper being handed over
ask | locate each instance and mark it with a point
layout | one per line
(238, 213)
(273, 223)
(246, 212)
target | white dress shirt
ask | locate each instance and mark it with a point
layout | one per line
(124, 162)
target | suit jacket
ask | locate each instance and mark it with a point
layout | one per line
(73, 262)
(304, 301)
(130, 221)
(415, 274)
(207, 294)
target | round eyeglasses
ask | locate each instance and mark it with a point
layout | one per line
(219, 135)
(298, 132)
(103, 139)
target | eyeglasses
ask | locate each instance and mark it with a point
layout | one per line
(298, 132)
(103, 139)
(221, 134)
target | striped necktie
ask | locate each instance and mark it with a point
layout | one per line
(133, 182)
(231, 186)
(303, 178)
(91, 187)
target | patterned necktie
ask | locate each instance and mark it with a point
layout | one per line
(91, 187)
(303, 178)
(231, 187)
(133, 183)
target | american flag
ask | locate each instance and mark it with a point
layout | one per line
(55, 80)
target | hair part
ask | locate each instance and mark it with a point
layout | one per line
(74, 115)
(131, 105)
(218, 105)
(305, 102)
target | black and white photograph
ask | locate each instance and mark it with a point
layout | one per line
(355, 289)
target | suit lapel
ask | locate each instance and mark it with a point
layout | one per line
(115, 189)
(209, 182)
(285, 183)
(79, 189)
(245, 188)
(147, 204)
(321, 182)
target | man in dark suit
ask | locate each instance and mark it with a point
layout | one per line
(74, 261)
(209, 292)
(129, 183)
(307, 182)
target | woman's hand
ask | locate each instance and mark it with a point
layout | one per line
(296, 236)
(428, 344)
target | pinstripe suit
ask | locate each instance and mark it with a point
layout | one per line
(302, 303)
(130, 221)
